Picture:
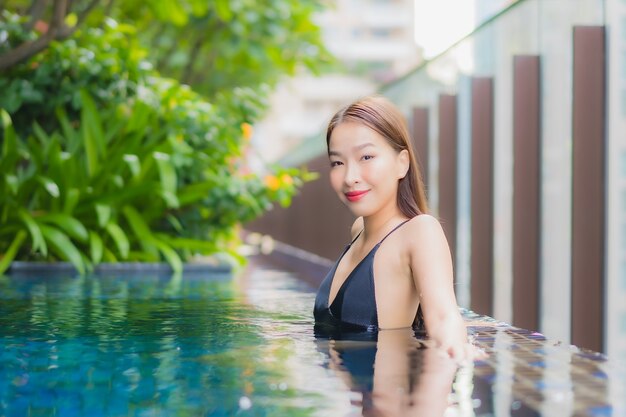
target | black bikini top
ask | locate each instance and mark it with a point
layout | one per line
(354, 307)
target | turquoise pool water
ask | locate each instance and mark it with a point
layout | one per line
(211, 345)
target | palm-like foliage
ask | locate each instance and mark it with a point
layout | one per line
(87, 194)
(104, 160)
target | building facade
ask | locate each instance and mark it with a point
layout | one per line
(373, 41)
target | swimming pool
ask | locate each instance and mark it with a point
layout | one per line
(210, 345)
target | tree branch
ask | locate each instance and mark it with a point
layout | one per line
(158, 34)
(56, 31)
(27, 49)
(66, 31)
(109, 8)
(164, 57)
(35, 11)
(193, 55)
(83, 15)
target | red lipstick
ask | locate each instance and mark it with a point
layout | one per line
(353, 196)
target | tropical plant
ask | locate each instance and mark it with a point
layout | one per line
(214, 46)
(88, 193)
(104, 160)
(106, 61)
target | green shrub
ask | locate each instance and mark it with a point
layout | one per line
(107, 62)
(103, 160)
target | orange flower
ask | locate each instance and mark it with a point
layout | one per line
(286, 179)
(41, 27)
(247, 130)
(272, 182)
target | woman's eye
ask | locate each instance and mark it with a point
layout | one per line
(334, 163)
(367, 157)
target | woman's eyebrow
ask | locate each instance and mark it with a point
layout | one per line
(363, 145)
(356, 148)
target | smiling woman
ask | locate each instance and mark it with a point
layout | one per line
(409, 284)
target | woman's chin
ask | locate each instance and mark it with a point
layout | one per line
(357, 210)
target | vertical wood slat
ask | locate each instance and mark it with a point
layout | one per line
(588, 186)
(420, 141)
(526, 190)
(448, 150)
(482, 195)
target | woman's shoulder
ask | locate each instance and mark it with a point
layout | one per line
(423, 226)
(356, 227)
(424, 220)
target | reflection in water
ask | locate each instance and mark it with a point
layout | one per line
(394, 373)
(142, 345)
(200, 346)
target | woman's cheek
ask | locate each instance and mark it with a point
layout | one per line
(335, 179)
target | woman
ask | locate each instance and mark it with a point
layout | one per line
(398, 269)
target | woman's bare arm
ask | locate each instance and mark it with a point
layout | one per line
(431, 267)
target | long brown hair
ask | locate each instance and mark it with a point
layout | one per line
(380, 115)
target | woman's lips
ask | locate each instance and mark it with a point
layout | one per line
(353, 196)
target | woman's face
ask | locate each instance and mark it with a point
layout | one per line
(364, 168)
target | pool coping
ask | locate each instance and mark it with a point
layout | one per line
(27, 267)
(310, 268)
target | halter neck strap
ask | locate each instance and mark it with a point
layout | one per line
(385, 237)
(392, 230)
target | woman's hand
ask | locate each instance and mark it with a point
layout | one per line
(449, 336)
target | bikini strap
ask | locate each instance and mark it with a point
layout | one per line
(393, 230)
(357, 236)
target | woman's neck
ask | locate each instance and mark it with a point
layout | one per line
(376, 225)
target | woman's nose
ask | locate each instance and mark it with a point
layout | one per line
(352, 175)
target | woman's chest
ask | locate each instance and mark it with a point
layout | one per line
(380, 271)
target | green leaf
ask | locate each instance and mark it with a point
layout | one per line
(195, 245)
(71, 19)
(171, 11)
(109, 256)
(96, 247)
(170, 256)
(39, 243)
(12, 183)
(195, 192)
(223, 9)
(51, 187)
(91, 129)
(9, 143)
(103, 212)
(171, 219)
(120, 239)
(167, 173)
(9, 255)
(61, 244)
(170, 199)
(71, 199)
(68, 224)
(141, 230)
(67, 129)
(40, 133)
(133, 163)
